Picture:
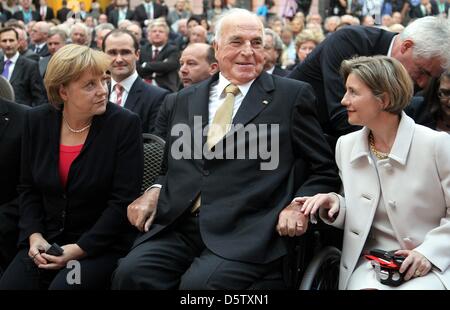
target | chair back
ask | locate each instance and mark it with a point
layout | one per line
(153, 156)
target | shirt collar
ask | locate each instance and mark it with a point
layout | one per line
(127, 83)
(391, 45)
(270, 71)
(223, 82)
(12, 59)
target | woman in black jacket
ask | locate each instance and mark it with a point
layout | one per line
(82, 165)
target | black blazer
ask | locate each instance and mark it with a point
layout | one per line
(321, 70)
(49, 15)
(34, 16)
(61, 14)
(280, 71)
(26, 82)
(140, 14)
(241, 202)
(12, 118)
(113, 16)
(165, 115)
(30, 55)
(165, 66)
(106, 176)
(43, 52)
(145, 100)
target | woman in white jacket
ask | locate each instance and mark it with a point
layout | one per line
(396, 178)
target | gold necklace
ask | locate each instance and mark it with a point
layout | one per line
(76, 130)
(378, 154)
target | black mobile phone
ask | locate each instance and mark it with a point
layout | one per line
(55, 250)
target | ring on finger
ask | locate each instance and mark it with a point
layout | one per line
(417, 273)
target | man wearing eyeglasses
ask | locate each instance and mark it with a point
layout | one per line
(423, 48)
(127, 89)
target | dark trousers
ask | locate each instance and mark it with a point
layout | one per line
(177, 258)
(9, 233)
(23, 274)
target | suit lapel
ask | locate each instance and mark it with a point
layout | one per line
(4, 119)
(17, 70)
(257, 99)
(134, 95)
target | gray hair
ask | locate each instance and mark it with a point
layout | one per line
(277, 43)
(106, 26)
(232, 12)
(56, 31)
(431, 37)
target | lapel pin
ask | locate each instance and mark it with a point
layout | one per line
(265, 102)
(6, 119)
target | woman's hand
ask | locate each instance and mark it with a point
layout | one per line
(328, 201)
(71, 252)
(416, 264)
(38, 245)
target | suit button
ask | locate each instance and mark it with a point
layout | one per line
(63, 214)
(64, 196)
(61, 229)
(391, 203)
(205, 172)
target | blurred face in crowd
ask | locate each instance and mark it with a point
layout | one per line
(296, 25)
(305, 49)
(197, 35)
(120, 49)
(9, 43)
(420, 69)
(136, 31)
(240, 49)
(192, 23)
(286, 37)
(194, 66)
(182, 27)
(99, 36)
(37, 35)
(79, 36)
(444, 95)
(397, 18)
(23, 44)
(54, 43)
(158, 36)
(102, 19)
(270, 53)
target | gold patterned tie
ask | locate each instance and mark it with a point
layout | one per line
(220, 125)
(222, 119)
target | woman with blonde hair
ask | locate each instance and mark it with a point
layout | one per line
(396, 179)
(82, 165)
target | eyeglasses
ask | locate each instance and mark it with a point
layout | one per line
(444, 94)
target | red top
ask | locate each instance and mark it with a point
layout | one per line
(67, 155)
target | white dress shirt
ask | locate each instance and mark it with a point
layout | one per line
(126, 84)
(217, 96)
(12, 65)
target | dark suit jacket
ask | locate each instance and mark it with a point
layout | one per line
(145, 100)
(105, 177)
(113, 16)
(61, 14)
(416, 11)
(43, 52)
(34, 16)
(279, 71)
(164, 116)
(43, 63)
(12, 117)
(241, 202)
(140, 14)
(49, 15)
(26, 81)
(321, 70)
(165, 66)
(30, 54)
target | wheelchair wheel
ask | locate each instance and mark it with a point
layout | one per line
(323, 271)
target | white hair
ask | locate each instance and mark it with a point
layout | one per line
(431, 37)
(244, 14)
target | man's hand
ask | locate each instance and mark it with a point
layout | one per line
(291, 221)
(142, 211)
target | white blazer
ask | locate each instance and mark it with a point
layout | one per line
(415, 181)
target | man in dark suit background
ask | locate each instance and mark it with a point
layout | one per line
(273, 47)
(197, 63)
(22, 73)
(39, 35)
(12, 116)
(26, 13)
(45, 12)
(215, 224)
(61, 14)
(423, 48)
(127, 88)
(158, 62)
(121, 12)
(57, 38)
(147, 11)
